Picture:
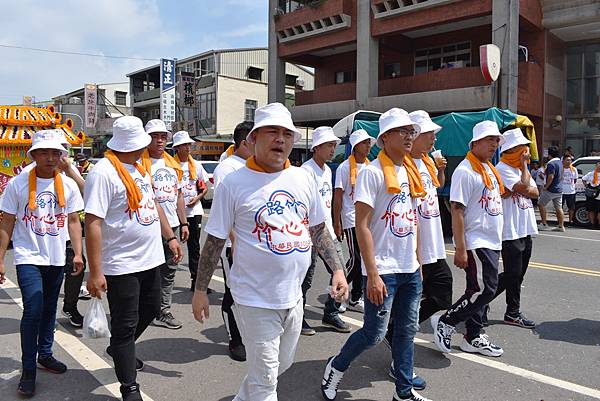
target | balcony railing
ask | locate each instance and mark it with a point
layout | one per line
(327, 93)
(391, 8)
(304, 22)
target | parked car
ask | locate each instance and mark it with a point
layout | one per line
(583, 165)
(209, 166)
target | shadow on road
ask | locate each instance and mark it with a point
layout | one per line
(178, 350)
(9, 325)
(575, 331)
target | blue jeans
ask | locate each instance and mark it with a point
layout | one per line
(40, 286)
(402, 303)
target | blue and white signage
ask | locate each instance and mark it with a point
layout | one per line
(167, 91)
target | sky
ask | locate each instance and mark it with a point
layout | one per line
(149, 29)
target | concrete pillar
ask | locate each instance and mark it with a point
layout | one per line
(505, 35)
(276, 77)
(367, 55)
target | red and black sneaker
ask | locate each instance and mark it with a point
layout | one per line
(51, 364)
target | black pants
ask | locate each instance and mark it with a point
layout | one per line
(353, 265)
(193, 245)
(134, 301)
(437, 289)
(482, 282)
(515, 258)
(232, 330)
(72, 283)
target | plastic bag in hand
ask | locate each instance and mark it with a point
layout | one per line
(95, 324)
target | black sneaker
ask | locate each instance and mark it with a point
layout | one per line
(131, 392)
(237, 351)
(139, 364)
(51, 364)
(336, 323)
(414, 396)
(27, 383)
(75, 318)
(520, 320)
(306, 329)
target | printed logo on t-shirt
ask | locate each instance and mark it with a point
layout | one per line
(490, 200)
(282, 223)
(521, 202)
(146, 214)
(189, 188)
(401, 222)
(325, 192)
(165, 185)
(428, 207)
(45, 219)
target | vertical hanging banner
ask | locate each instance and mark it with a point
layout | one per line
(167, 91)
(91, 100)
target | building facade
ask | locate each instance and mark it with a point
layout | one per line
(378, 54)
(229, 86)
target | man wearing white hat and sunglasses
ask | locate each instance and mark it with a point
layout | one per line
(519, 223)
(323, 146)
(386, 227)
(343, 210)
(477, 219)
(277, 216)
(41, 212)
(123, 224)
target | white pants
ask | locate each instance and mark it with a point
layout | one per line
(270, 337)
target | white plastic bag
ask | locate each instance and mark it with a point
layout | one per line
(95, 324)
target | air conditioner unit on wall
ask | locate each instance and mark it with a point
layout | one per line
(300, 83)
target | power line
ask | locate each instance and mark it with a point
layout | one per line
(76, 53)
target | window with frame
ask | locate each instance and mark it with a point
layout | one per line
(290, 80)
(120, 98)
(207, 108)
(255, 73)
(391, 70)
(583, 80)
(249, 109)
(207, 66)
(456, 55)
(342, 77)
(196, 68)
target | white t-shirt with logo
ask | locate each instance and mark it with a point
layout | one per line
(342, 181)
(40, 236)
(483, 208)
(166, 186)
(393, 223)
(569, 180)
(519, 214)
(190, 189)
(323, 178)
(270, 215)
(223, 169)
(431, 236)
(131, 241)
(589, 180)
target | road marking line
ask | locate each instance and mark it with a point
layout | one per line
(88, 359)
(576, 388)
(567, 237)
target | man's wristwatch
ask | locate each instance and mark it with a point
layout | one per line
(184, 224)
(170, 239)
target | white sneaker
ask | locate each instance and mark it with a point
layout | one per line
(559, 229)
(331, 380)
(543, 227)
(414, 396)
(481, 345)
(358, 306)
(442, 333)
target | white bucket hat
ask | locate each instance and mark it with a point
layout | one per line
(394, 118)
(323, 135)
(484, 129)
(422, 119)
(157, 125)
(47, 139)
(513, 138)
(274, 114)
(358, 136)
(181, 138)
(128, 135)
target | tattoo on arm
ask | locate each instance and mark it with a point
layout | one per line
(211, 252)
(323, 243)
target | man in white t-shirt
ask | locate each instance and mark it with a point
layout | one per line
(236, 161)
(569, 178)
(386, 226)
(167, 181)
(41, 212)
(519, 223)
(193, 190)
(592, 203)
(323, 146)
(277, 216)
(475, 197)
(123, 224)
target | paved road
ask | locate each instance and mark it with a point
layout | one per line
(559, 360)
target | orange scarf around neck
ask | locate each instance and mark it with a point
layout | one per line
(477, 166)
(513, 159)
(417, 189)
(433, 171)
(391, 177)
(58, 188)
(354, 168)
(134, 195)
(252, 165)
(191, 166)
(595, 182)
(229, 151)
(169, 162)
